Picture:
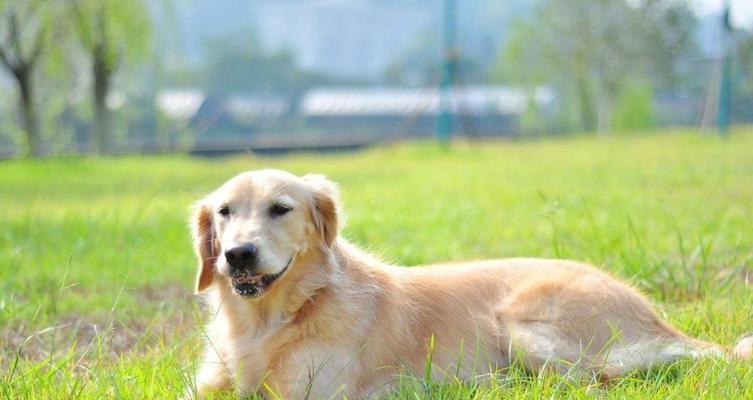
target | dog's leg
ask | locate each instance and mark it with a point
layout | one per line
(744, 347)
(653, 351)
(539, 346)
(591, 324)
(543, 346)
(213, 376)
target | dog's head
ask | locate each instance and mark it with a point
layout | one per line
(252, 230)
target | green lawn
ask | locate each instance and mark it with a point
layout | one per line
(96, 266)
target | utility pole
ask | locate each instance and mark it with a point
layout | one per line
(443, 126)
(725, 89)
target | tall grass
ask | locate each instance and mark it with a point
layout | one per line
(96, 267)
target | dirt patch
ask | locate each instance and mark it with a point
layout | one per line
(92, 338)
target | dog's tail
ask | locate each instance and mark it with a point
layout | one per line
(696, 348)
(744, 347)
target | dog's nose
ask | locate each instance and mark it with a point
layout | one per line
(241, 256)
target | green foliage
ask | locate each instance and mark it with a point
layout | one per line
(237, 63)
(536, 121)
(26, 40)
(96, 265)
(121, 28)
(745, 56)
(418, 64)
(26, 30)
(44, 54)
(634, 109)
(109, 31)
(589, 50)
(670, 43)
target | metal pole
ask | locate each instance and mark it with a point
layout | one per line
(725, 90)
(449, 65)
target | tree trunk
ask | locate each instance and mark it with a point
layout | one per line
(605, 115)
(101, 88)
(28, 112)
(586, 106)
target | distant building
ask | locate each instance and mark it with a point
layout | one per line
(478, 110)
(222, 120)
(179, 104)
(347, 38)
(342, 117)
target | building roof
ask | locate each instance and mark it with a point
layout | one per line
(184, 104)
(180, 104)
(380, 101)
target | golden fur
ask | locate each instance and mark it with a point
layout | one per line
(340, 322)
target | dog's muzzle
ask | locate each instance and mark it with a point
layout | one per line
(253, 285)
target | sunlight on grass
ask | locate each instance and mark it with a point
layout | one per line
(96, 266)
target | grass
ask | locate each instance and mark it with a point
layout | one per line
(96, 268)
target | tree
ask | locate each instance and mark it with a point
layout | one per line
(237, 63)
(24, 32)
(591, 51)
(745, 56)
(417, 64)
(671, 45)
(109, 31)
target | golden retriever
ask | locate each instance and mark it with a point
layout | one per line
(298, 312)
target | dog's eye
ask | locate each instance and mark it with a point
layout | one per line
(279, 209)
(224, 211)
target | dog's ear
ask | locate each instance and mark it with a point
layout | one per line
(326, 208)
(205, 244)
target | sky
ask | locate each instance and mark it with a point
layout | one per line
(742, 10)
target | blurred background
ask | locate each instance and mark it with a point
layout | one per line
(272, 76)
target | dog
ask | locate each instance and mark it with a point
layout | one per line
(295, 311)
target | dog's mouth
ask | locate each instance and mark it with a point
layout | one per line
(254, 285)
